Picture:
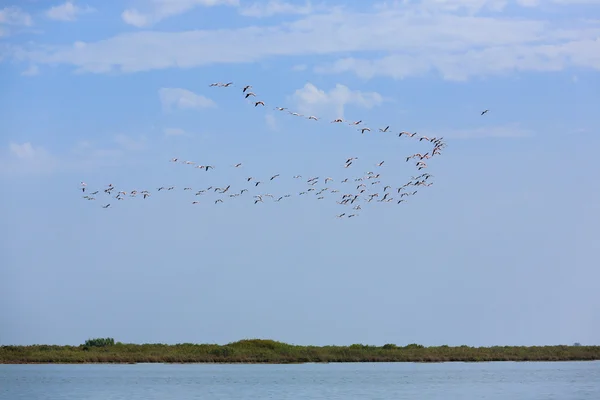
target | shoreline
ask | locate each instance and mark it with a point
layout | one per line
(261, 351)
(287, 363)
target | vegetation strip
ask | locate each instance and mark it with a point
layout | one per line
(105, 350)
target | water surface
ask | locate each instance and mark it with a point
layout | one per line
(348, 381)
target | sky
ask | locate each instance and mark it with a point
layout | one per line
(500, 250)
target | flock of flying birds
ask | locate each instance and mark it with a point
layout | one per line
(354, 193)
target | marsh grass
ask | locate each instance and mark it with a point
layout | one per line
(270, 351)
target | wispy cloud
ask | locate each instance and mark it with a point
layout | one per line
(90, 154)
(129, 143)
(415, 39)
(461, 66)
(121, 150)
(299, 67)
(31, 71)
(174, 132)
(458, 39)
(579, 131)
(25, 158)
(504, 131)
(275, 7)
(533, 3)
(182, 98)
(471, 7)
(312, 100)
(157, 10)
(25, 151)
(11, 18)
(15, 16)
(67, 11)
(271, 122)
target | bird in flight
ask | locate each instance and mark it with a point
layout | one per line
(370, 190)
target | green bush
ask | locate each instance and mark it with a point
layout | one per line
(99, 342)
(414, 346)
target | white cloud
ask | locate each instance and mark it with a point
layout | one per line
(563, 2)
(299, 67)
(275, 7)
(463, 65)
(470, 6)
(135, 18)
(24, 151)
(271, 122)
(157, 10)
(311, 100)
(410, 39)
(25, 158)
(130, 144)
(182, 98)
(506, 131)
(579, 131)
(174, 132)
(67, 11)
(528, 3)
(31, 71)
(395, 66)
(15, 16)
(89, 155)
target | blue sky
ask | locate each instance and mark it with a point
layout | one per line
(500, 250)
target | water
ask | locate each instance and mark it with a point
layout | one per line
(373, 381)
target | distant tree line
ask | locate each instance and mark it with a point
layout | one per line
(106, 350)
(99, 342)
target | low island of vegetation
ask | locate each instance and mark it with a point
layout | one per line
(106, 350)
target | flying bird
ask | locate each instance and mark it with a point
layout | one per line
(368, 191)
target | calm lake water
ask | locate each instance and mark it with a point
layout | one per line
(501, 380)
